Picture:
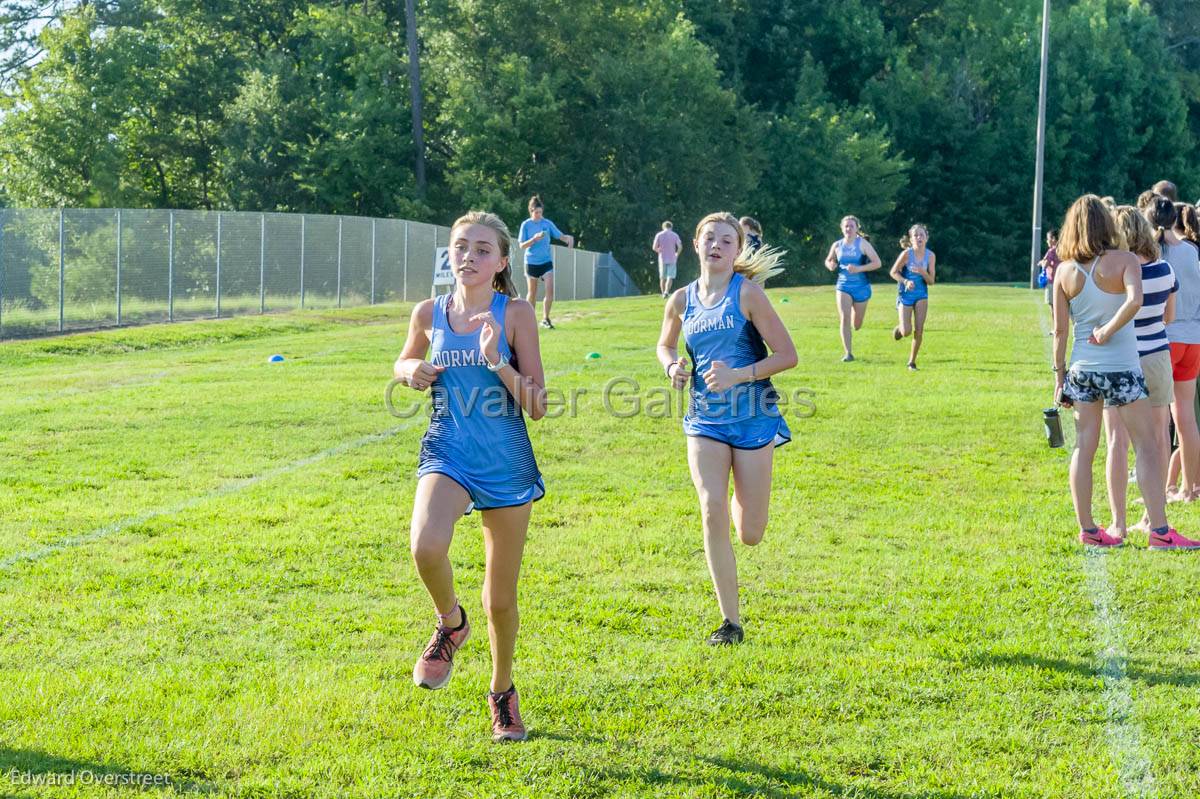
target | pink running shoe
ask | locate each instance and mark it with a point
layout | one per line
(506, 716)
(436, 663)
(1172, 540)
(1099, 538)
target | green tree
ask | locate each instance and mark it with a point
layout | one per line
(764, 47)
(56, 142)
(823, 163)
(617, 119)
(1120, 120)
(620, 114)
(130, 117)
(321, 123)
(959, 99)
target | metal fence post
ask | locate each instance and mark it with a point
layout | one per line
(574, 273)
(218, 264)
(118, 267)
(433, 287)
(262, 263)
(339, 264)
(595, 258)
(302, 261)
(372, 262)
(3, 223)
(62, 250)
(171, 266)
(405, 297)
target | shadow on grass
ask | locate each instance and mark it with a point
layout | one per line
(1185, 679)
(746, 778)
(537, 734)
(27, 768)
(741, 777)
(1001, 370)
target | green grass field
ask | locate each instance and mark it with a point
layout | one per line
(204, 575)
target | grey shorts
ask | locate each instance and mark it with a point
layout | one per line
(666, 271)
(1115, 388)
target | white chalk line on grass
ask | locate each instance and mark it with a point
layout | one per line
(1124, 733)
(186, 370)
(231, 488)
(1134, 770)
(137, 381)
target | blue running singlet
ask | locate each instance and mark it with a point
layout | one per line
(855, 284)
(920, 291)
(745, 416)
(477, 434)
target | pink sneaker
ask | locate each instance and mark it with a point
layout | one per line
(1172, 540)
(1100, 538)
(506, 716)
(436, 663)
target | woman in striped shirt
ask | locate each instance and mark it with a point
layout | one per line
(1158, 307)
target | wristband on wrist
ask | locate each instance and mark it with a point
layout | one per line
(672, 363)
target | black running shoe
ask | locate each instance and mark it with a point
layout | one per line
(546, 323)
(728, 633)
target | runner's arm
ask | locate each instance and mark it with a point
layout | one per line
(527, 387)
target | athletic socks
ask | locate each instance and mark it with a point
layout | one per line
(443, 616)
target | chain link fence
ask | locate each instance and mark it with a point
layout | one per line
(77, 269)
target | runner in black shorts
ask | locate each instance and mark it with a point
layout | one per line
(534, 237)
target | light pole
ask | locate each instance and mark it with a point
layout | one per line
(1036, 245)
(414, 89)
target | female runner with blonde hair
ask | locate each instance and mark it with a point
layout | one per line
(735, 342)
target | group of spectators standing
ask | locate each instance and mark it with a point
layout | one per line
(1127, 280)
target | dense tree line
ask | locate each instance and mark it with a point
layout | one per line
(620, 114)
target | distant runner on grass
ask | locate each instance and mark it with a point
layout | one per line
(914, 272)
(851, 257)
(534, 238)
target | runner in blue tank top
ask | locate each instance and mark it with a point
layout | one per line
(461, 443)
(851, 257)
(535, 237)
(733, 423)
(484, 371)
(745, 416)
(914, 272)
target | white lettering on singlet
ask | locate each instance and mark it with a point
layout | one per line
(705, 324)
(455, 358)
